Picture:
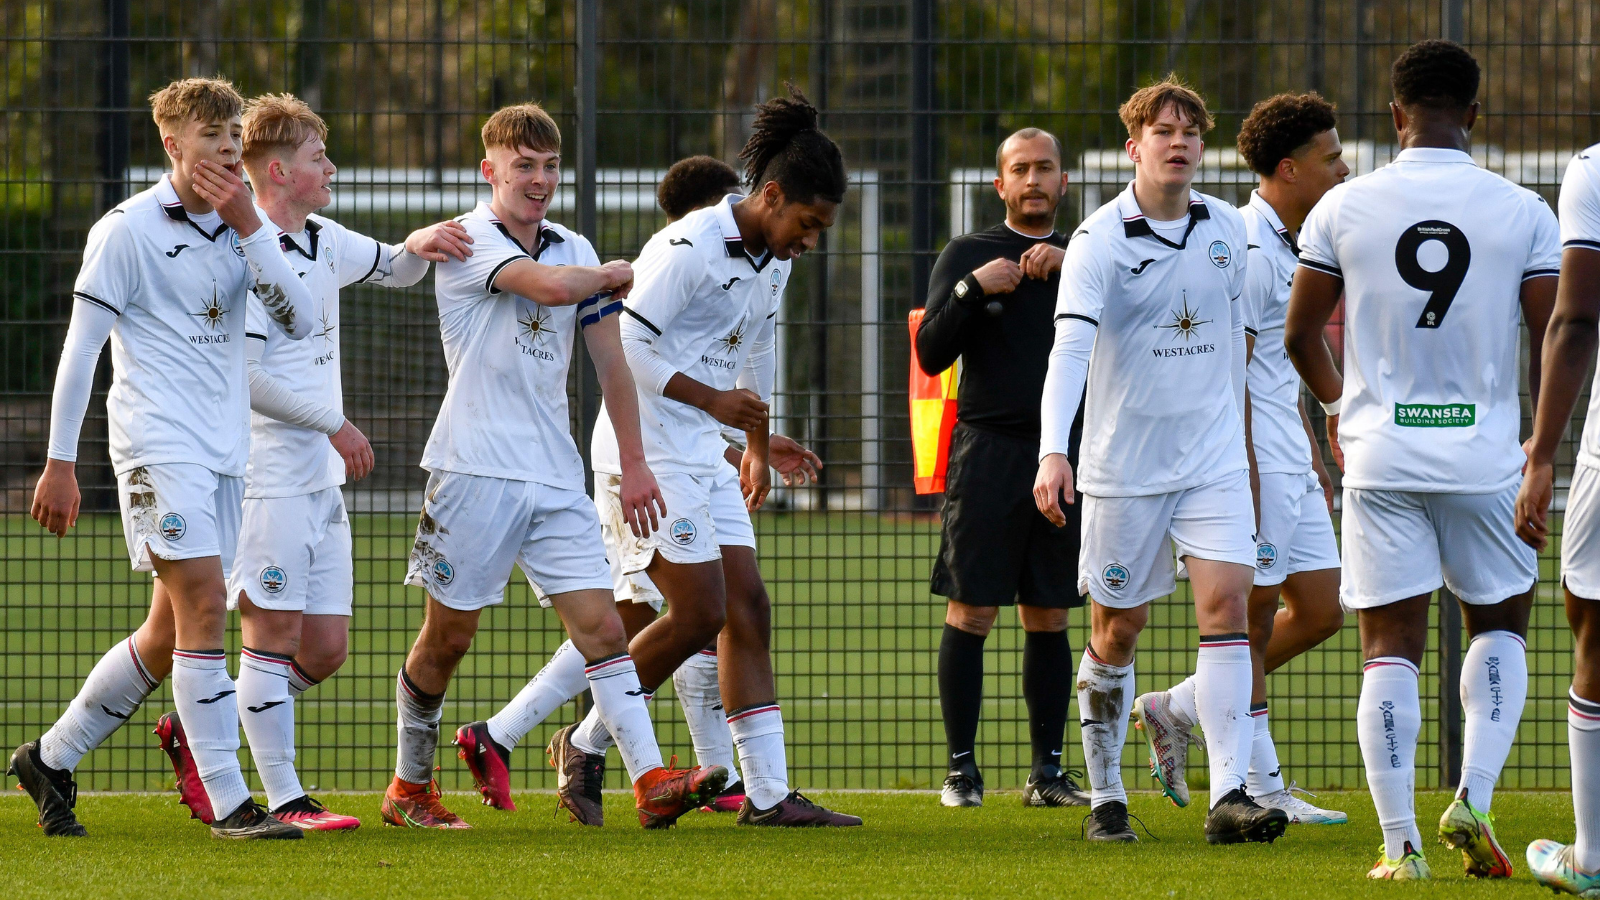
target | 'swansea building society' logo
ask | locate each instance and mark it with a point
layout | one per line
(1435, 415)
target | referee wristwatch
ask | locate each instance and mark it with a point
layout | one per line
(968, 288)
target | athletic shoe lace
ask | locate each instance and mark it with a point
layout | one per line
(1110, 818)
(434, 803)
(801, 801)
(961, 781)
(594, 772)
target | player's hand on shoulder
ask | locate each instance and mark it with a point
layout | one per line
(739, 408)
(440, 241)
(1052, 485)
(755, 480)
(998, 276)
(795, 464)
(228, 195)
(1042, 259)
(643, 507)
(1533, 504)
(620, 280)
(56, 498)
(354, 449)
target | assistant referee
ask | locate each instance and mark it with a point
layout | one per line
(991, 301)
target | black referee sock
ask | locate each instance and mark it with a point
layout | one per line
(960, 692)
(1047, 687)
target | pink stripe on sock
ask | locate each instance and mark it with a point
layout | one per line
(747, 713)
(138, 665)
(590, 670)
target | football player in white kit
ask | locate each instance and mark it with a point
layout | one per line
(505, 485)
(1569, 350)
(1150, 294)
(485, 746)
(292, 581)
(1290, 141)
(1435, 258)
(699, 332)
(166, 275)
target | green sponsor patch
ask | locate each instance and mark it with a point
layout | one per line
(1435, 415)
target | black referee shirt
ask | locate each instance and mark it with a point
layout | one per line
(1004, 357)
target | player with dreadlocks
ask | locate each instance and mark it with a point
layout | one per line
(699, 335)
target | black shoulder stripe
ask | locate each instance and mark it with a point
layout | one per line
(489, 284)
(378, 255)
(252, 334)
(1251, 331)
(90, 298)
(1582, 242)
(1321, 267)
(1082, 318)
(643, 321)
(1540, 273)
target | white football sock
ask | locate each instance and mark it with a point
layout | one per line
(418, 725)
(1583, 742)
(1388, 718)
(207, 702)
(1105, 693)
(560, 680)
(758, 733)
(1180, 703)
(1494, 686)
(620, 703)
(267, 713)
(1222, 695)
(591, 736)
(115, 688)
(1266, 775)
(299, 681)
(701, 698)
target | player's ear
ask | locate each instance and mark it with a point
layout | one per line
(1286, 170)
(1133, 151)
(487, 168)
(1398, 113)
(772, 194)
(1472, 115)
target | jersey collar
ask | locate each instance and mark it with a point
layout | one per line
(1134, 223)
(167, 196)
(1434, 155)
(286, 241)
(732, 241)
(1260, 205)
(547, 235)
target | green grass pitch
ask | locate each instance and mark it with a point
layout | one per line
(143, 845)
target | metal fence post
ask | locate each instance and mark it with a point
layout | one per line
(116, 150)
(585, 94)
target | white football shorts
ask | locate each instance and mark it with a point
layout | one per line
(1580, 534)
(704, 514)
(179, 511)
(1400, 544)
(1127, 555)
(474, 529)
(635, 588)
(294, 554)
(1296, 532)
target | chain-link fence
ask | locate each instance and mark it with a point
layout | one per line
(918, 94)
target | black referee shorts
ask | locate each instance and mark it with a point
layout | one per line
(995, 547)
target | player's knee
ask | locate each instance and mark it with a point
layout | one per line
(1328, 622)
(750, 611)
(321, 662)
(448, 643)
(978, 620)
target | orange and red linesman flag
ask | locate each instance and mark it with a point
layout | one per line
(933, 416)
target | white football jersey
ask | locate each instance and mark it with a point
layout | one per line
(290, 460)
(179, 393)
(1433, 252)
(505, 410)
(1276, 431)
(702, 303)
(1580, 227)
(1160, 412)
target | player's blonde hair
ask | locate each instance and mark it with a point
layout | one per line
(522, 125)
(1147, 103)
(275, 124)
(194, 100)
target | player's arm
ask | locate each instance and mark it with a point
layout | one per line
(1077, 323)
(642, 503)
(273, 399)
(1317, 465)
(564, 285)
(1568, 347)
(289, 303)
(954, 297)
(758, 376)
(56, 498)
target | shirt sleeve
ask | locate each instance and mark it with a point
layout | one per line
(273, 399)
(1259, 283)
(761, 366)
(1544, 251)
(595, 307)
(1317, 250)
(473, 278)
(1083, 282)
(110, 272)
(1063, 383)
(359, 259)
(91, 325)
(283, 293)
(1580, 205)
(942, 335)
(665, 279)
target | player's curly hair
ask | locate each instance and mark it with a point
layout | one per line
(1436, 74)
(787, 147)
(1279, 126)
(695, 182)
